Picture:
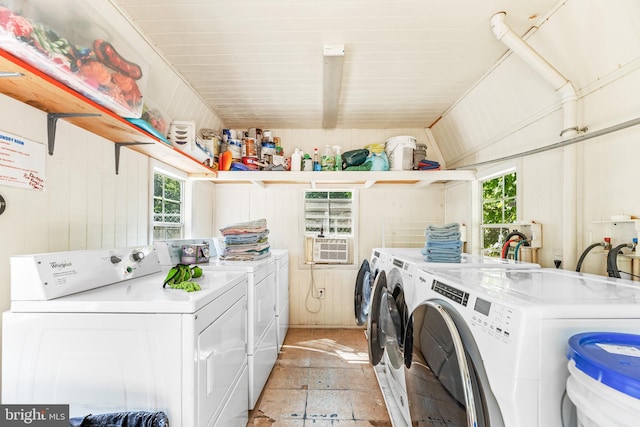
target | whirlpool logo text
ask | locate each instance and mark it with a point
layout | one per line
(34, 415)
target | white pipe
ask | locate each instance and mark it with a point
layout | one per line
(569, 101)
(560, 84)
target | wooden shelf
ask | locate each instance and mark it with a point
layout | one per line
(361, 178)
(35, 88)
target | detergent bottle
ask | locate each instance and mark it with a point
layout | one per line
(296, 160)
(328, 160)
(338, 165)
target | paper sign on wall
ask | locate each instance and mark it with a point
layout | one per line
(21, 162)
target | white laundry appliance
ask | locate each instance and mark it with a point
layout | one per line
(97, 330)
(489, 344)
(401, 267)
(262, 340)
(367, 273)
(282, 294)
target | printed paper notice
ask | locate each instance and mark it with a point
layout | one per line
(21, 162)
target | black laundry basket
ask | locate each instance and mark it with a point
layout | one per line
(122, 419)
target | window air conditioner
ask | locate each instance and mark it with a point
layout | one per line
(330, 250)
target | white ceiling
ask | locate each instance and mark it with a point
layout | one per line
(258, 63)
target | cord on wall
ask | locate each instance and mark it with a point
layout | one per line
(311, 292)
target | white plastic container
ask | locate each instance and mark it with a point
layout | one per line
(399, 150)
(296, 160)
(605, 379)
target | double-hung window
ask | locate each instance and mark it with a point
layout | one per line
(168, 206)
(499, 210)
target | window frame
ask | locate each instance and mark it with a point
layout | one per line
(157, 167)
(504, 227)
(328, 232)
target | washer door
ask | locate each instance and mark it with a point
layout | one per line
(439, 356)
(391, 328)
(362, 293)
(374, 333)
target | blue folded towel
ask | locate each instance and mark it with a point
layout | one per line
(454, 245)
(442, 236)
(443, 258)
(453, 226)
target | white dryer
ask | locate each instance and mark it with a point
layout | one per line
(97, 330)
(493, 342)
(262, 339)
(282, 294)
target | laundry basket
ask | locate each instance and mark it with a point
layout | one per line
(604, 381)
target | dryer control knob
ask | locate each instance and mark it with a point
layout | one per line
(137, 256)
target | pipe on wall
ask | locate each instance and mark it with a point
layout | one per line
(569, 101)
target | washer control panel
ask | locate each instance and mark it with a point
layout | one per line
(454, 294)
(496, 320)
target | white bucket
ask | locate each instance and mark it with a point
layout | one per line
(399, 149)
(602, 384)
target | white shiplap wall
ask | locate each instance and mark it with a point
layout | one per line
(596, 45)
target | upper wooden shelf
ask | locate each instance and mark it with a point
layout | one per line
(35, 88)
(360, 178)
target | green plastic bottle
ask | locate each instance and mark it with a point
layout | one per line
(338, 165)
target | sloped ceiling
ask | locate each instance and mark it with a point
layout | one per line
(258, 63)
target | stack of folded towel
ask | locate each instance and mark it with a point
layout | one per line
(443, 243)
(245, 241)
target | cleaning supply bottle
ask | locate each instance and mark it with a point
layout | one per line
(316, 162)
(328, 161)
(296, 160)
(338, 165)
(307, 164)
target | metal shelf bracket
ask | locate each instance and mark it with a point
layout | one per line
(125, 144)
(52, 120)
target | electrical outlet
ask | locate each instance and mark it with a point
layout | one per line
(321, 293)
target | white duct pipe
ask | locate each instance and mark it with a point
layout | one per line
(569, 101)
(544, 69)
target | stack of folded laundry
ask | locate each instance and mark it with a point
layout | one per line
(245, 241)
(443, 243)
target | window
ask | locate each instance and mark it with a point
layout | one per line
(499, 209)
(168, 207)
(330, 213)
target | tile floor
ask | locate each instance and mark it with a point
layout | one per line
(322, 378)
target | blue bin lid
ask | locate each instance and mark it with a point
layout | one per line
(609, 357)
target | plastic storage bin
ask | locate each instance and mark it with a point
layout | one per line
(399, 150)
(605, 378)
(69, 41)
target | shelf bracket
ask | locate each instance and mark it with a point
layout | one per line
(125, 144)
(52, 120)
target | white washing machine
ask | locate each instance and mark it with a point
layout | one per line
(401, 266)
(262, 340)
(367, 273)
(489, 344)
(97, 330)
(282, 294)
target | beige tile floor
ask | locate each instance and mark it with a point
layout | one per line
(322, 378)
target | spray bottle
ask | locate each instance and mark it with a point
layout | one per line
(316, 161)
(338, 165)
